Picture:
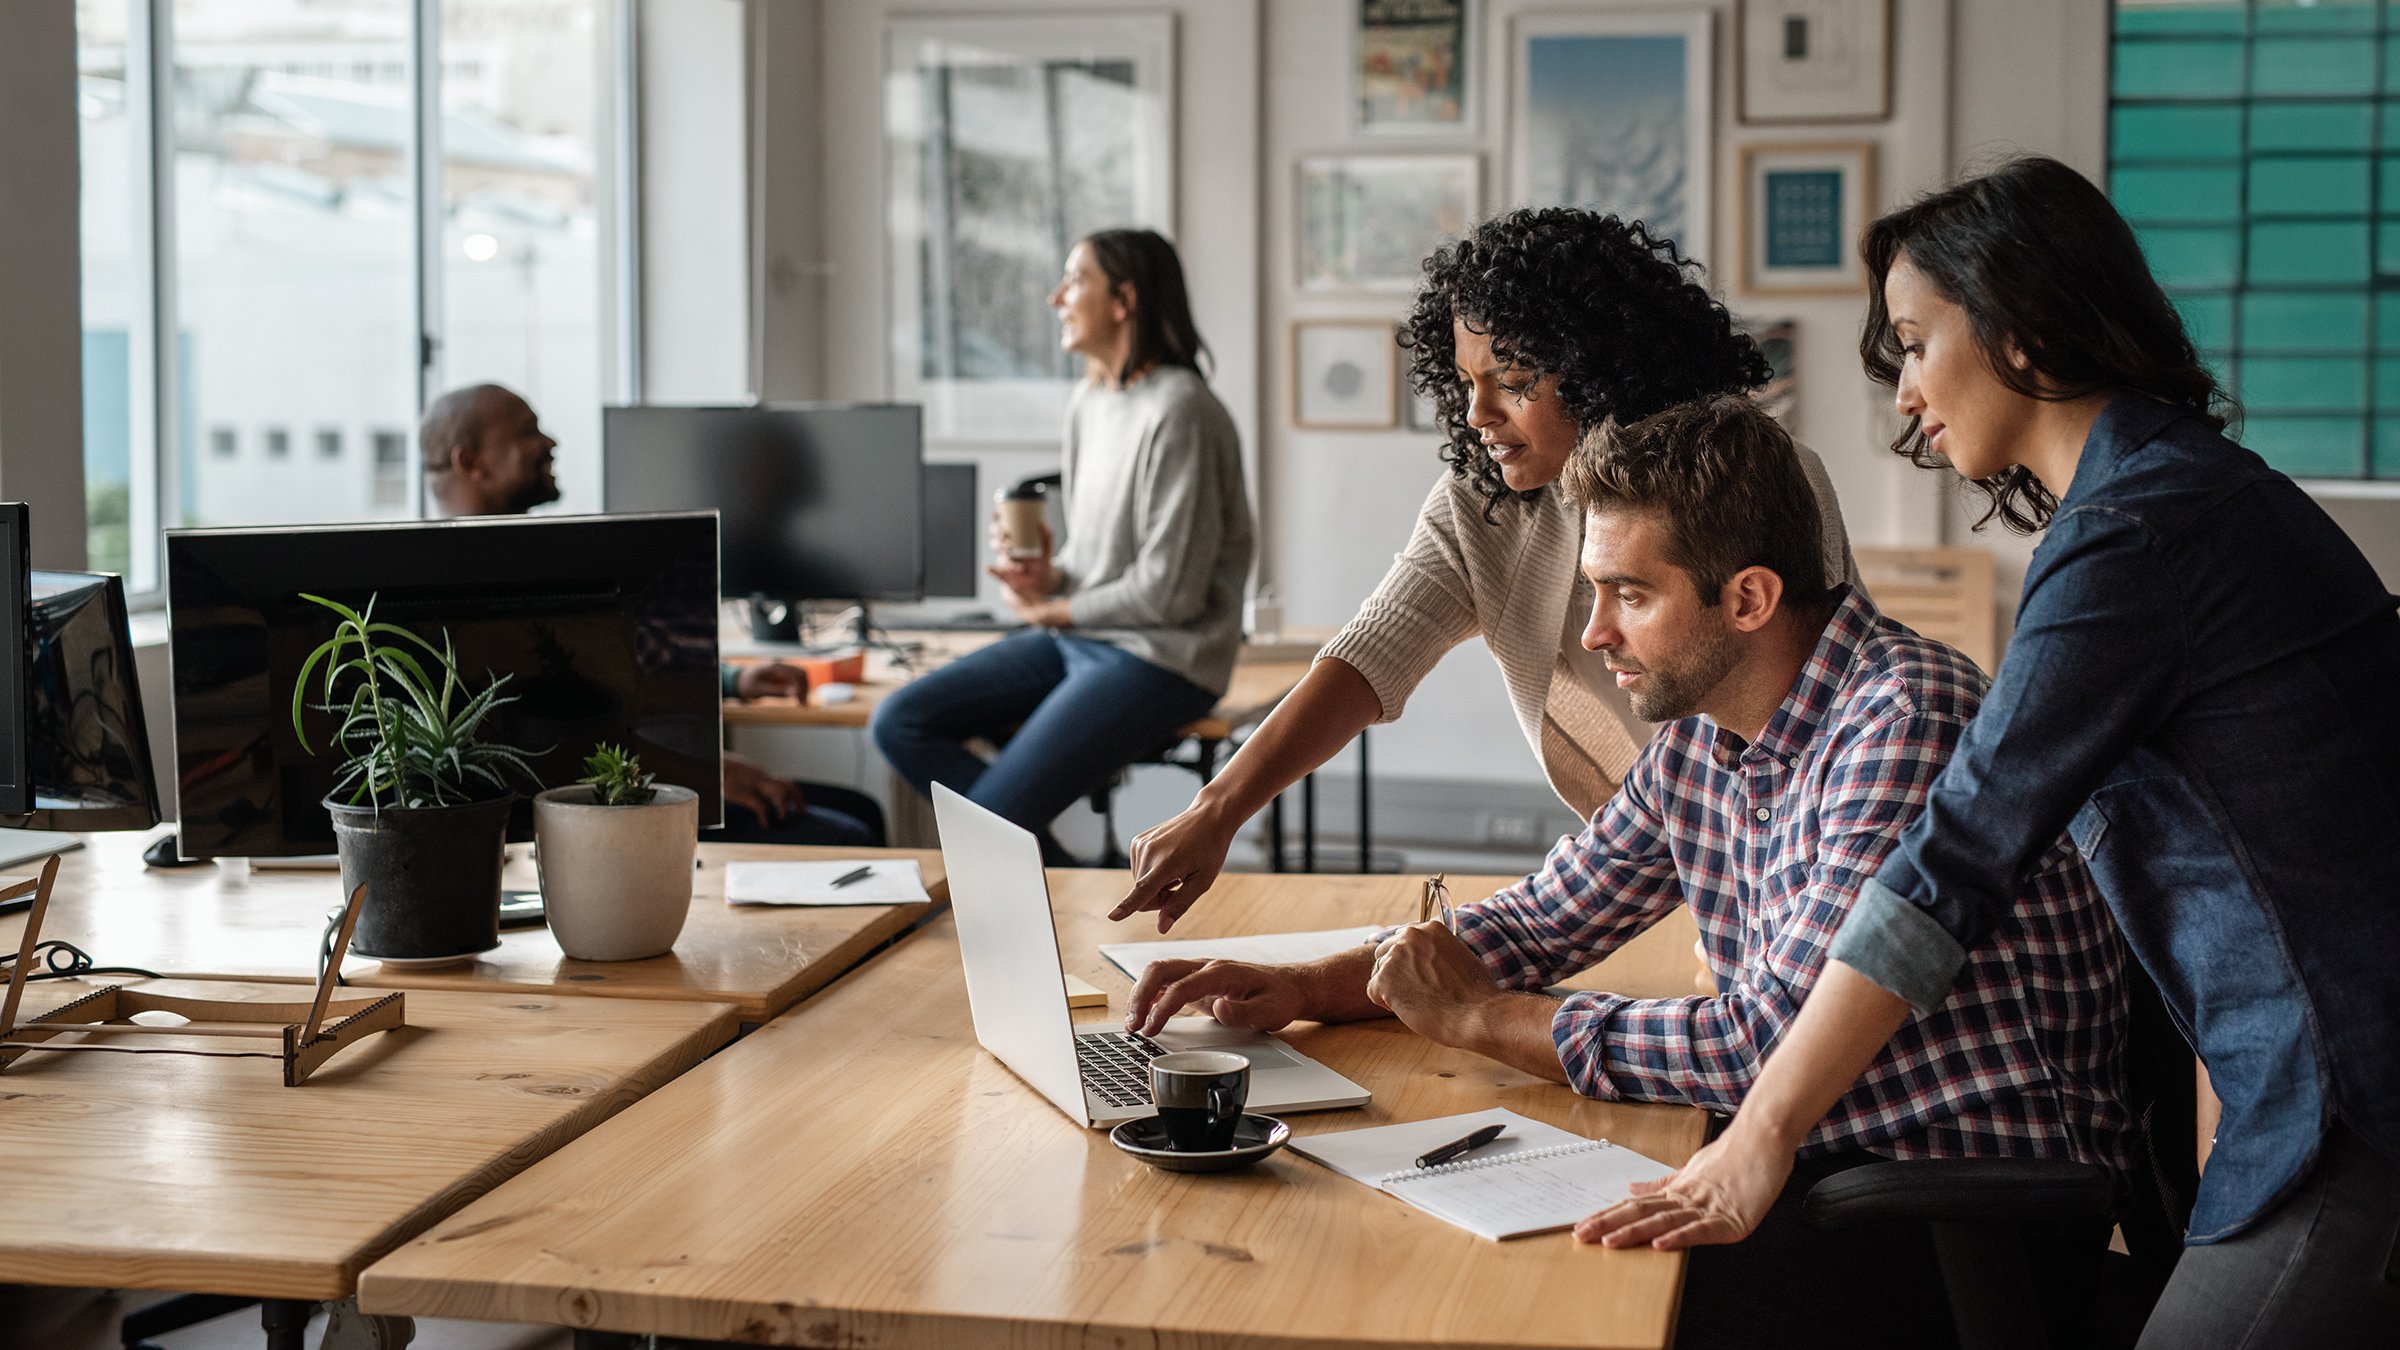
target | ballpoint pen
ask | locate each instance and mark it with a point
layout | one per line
(1459, 1148)
(859, 873)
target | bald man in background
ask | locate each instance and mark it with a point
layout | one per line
(486, 455)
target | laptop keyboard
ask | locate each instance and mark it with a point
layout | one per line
(1116, 1065)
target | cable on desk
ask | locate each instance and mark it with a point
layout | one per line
(57, 959)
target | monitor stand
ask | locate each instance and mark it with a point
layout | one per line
(166, 851)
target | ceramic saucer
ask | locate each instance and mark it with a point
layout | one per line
(1253, 1138)
(423, 962)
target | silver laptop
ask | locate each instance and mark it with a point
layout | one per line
(1019, 997)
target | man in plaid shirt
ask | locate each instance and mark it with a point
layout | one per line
(1803, 729)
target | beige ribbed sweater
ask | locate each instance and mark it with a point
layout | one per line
(1511, 581)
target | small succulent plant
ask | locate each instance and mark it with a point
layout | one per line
(616, 777)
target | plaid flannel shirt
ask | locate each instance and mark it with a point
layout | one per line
(1769, 842)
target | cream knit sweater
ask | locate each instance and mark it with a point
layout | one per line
(1511, 581)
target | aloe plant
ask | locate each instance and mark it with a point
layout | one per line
(616, 778)
(410, 737)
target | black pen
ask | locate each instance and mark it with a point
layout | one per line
(860, 873)
(1459, 1148)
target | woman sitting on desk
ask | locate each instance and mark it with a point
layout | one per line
(1136, 621)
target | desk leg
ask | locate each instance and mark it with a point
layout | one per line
(286, 1321)
(1366, 850)
(1275, 834)
(1308, 823)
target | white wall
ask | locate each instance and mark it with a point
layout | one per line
(41, 348)
(695, 226)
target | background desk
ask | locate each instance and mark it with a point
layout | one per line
(859, 1172)
(1262, 677)
(223, 922)
(160, 1171)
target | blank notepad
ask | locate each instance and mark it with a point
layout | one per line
(1536, 1178)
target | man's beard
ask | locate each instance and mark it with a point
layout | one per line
(541, 491)
(1668, 693)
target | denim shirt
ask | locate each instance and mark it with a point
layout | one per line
(2204, 682)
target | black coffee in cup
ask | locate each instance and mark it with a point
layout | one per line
(1199, 1095)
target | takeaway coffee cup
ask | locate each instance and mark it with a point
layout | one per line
(1021, 519)
(1199, 1094)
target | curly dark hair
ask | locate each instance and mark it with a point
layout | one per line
(2041, 262)
(1618, 316)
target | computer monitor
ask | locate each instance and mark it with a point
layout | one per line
(818, 502)
(954, 517)
(87, 743)
(16, 597)
(605, 625)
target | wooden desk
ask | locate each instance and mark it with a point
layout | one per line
(227, 923)
(860, 1173)
(160, 1171)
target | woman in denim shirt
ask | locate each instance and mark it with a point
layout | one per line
(2204, 685)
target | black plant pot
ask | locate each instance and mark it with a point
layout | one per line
(432, 876)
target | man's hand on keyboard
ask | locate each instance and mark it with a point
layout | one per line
(1237, 993)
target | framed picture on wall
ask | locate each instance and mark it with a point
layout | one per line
(1411, 69)
(1612, 112)
(1815, 60)
(1007, 139)
(1345, 374)
(1367, 221)
(1803, 208)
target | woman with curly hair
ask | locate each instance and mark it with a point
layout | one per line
(1530, 333)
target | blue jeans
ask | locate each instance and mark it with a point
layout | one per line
(1081, 711)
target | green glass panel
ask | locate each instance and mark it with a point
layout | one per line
(2387, 245)
(2387, 385)
(2308, 187)
(2391, 120)
(2387, 189)
(2192, 257)
(2387, 448)
(2223, 17)
(2312, 252)
(2179, 195)
(2164, 131)
(2220, 367)
(2304, 383)
(2387, 323)
(2391, 71)
(2316, 16)
(2312, 126)
(2178, 69)
(2285, 321)
(2311, 66)
(2207, 319)
(2309, 447)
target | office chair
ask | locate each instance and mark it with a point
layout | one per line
(1997, 1223)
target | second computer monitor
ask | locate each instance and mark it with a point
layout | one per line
(816, 502)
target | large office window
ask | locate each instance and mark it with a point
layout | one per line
(255, 182)
(2255, 147)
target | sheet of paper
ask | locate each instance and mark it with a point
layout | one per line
(1263, 948)
(1371, 1154)
(1535, 1195)
(893, 881)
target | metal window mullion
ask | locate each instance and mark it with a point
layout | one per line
(425, 159)
(624, 200)
(155, 150)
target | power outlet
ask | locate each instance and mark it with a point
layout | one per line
(1513, 829)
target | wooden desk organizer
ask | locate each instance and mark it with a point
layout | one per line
(306, 1039)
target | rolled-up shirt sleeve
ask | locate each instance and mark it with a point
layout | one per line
(2099, 658)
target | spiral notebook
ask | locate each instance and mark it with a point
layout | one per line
(1535, 1178)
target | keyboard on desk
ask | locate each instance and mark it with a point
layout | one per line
(1116, 1065)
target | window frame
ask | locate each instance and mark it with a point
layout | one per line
(155, 375)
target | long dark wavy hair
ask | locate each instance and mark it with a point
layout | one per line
(1618, 316)
(1163, 332)
(2042, 263)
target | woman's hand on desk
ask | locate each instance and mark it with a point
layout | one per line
(1719, 1196)
(1175, 862)
(771, 680)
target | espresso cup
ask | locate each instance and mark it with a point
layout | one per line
(1199, 1094)
(1021, 521)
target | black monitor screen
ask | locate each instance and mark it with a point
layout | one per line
(817, 503)
(954, 514)
(88, 746)
(16, 792)
(606, 627)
